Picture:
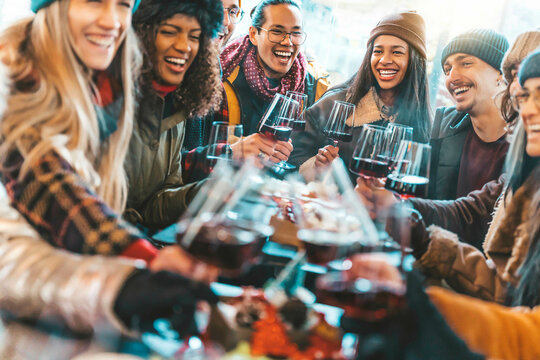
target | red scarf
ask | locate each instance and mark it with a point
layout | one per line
(243, 52)
(162, 90)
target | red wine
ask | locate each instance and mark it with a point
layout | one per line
(361, 298)
(224, 244)
(324, 246)
(278, 133)
(407, 186)
(369, 167)
(338, 135)
(299, 125)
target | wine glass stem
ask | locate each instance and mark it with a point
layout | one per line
(335, 143)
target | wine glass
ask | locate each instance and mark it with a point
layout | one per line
(336, 128)
(299, 123)
(222, 136)
(370, 156)
(396, 133)
(277, 120)
(410, 174)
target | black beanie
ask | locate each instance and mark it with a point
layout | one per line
(485, 44)
(209, 13)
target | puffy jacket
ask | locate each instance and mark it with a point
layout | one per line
(157, 195)
(38, 280)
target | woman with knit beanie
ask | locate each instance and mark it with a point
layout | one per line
(59, 175)
(390, 86)
(493, 330)
(180, 79)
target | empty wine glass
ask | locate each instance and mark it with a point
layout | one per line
(396, 133)
(410, 174)
(336, 128)
(222, 136)
(370, 156)
(299, 123)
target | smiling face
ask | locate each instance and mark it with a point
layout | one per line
(471, 82)
(530, 114)
(228, 25)
(177, 45)
(389, 61)
(277, 59)
(97, 29)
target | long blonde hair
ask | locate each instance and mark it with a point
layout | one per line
(57, 113)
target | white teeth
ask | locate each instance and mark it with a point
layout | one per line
(388, 72)
(104, 41)
(177, 61)
(461, 90)
(534, 127)
(284, 54)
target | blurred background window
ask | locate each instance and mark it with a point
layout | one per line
(338, 29)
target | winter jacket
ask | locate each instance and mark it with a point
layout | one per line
(465, 268)
(468, 216)
(307, 143)
(247, 109)
(37, 280)
(157, 195)
(496, 331)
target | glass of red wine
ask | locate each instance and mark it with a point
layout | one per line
(299, 120)
(336, 128)
(370, 156)
(276, 122)
(410, 174)
(396, 133)
(222, 136)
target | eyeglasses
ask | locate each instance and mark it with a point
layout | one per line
(235, 14)
(277, 36)
(519, 100)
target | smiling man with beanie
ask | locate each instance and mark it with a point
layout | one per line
(468, 139)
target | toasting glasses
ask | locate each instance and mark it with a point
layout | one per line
(222, 136)
(299, 120)
(277, 120)
(370, 157)
(410, 175)
(336, 128)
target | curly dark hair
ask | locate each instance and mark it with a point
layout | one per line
(200, 92)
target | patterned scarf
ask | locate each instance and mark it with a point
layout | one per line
(108, 104)
(242, 52)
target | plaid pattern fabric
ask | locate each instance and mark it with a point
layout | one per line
(60, 206)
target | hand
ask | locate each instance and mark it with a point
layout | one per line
(326, 155)
(252, 146)
(282, 151)
(176, 260)
(375, 197)
(147, 296)
(374, 267)
(418, 236)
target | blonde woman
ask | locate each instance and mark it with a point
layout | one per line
(67, 127)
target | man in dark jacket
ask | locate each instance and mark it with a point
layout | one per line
(468, 140)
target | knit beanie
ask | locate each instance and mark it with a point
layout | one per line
(525, 43)
(36, 5)
(209, 13)
(485, 44)
(407, 25)
(530, 67)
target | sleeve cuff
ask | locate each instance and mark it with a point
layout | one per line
(142, 250)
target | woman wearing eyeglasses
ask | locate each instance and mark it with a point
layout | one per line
(266, 62)
(232, 15)
(390, 86)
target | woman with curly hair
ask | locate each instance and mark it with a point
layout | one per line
(180, 80)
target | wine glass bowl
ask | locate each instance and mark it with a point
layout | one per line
(224, 243)
(336, 128)
(278, 117)
(410, 174)
(222, 135)
(299, 120)
(323, 246)
(370, 156)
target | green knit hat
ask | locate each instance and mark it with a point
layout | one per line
(36, 5)
(485, 44)
(530, 67)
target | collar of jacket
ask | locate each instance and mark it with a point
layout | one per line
(367, 110)
(156, 115)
